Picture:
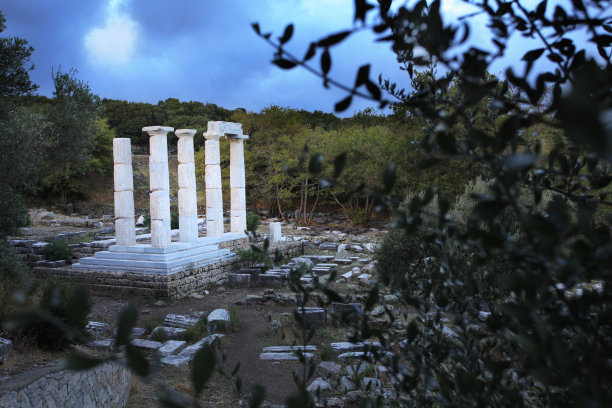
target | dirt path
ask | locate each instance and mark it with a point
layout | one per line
(245, 347)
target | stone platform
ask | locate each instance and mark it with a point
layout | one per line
(145, 259)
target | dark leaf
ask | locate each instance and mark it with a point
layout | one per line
(80, 362)
(533, 55)
(325, 61)
(257, 396)
(339, 163)
(315, 164)
(333, 39)
(76, 308)
(311, 51)
(203, 367)
(127, 321)
(361, 9)
(372, 298)
(343, 104)
(287, 34)
(284, 63)
(373, 89)
(256, 28)
(363, 75)
(389, 177)
(137, 361)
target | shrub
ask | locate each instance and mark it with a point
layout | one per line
(400, 254)
(14, 276)
(14, 213)
(70, 306)
(253, 221)
(254, 256)
(174, 220)
(58, 250)
(327, 352)
(196, 332)
(159, 335)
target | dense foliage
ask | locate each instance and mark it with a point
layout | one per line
(516, 308)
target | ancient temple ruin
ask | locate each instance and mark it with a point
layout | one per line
(162, 256)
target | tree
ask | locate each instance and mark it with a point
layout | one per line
(540, 332)
(72, 134)
(15, 65)
(21, 138)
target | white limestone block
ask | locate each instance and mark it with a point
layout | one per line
(158, 148)
(212, 154)
(186, 176)
(160, 233)
(237, 176)
(160, 205)
(211, 214)
(124, 204)
(275, 233)
(188, 228)
(171, 347)
(219, 315)
(122, 150)
(214, 228)
(125, 231)
(159, 178)
(185, 145)
(214, 198)
(238, 198)
(187, 201)
(212, 178)
(122, 175)
(238, 224)
(236, 152)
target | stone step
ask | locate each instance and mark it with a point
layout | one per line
(286, 349)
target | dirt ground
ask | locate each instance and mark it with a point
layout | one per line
(257, 328)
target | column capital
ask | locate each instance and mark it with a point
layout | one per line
(180, 133)
(213, 135)
(237, 137)
(157, 130)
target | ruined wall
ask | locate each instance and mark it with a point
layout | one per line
(107, 385)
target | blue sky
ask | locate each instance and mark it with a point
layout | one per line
(203, 50)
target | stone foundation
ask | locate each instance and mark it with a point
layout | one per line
(177, 285)
(107, 385)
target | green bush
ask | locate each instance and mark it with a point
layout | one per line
(327, 352)
(13, 211)
(159, 335)
(253, 221)
(58, 250)
(14, 276)
(196, 332)
(400, 254)
(174, 220)
(69, 306)
(253, 256)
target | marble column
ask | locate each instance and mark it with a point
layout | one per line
(214, 197)
(237, 183)
(160, 186)
(125, 227)
(187, 196)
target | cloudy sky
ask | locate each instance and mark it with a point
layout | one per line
(203, 50)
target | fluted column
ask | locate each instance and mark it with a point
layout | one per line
(214, 195)
(187, 196)
(160, 186)
(125, 228)
(237, 184)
